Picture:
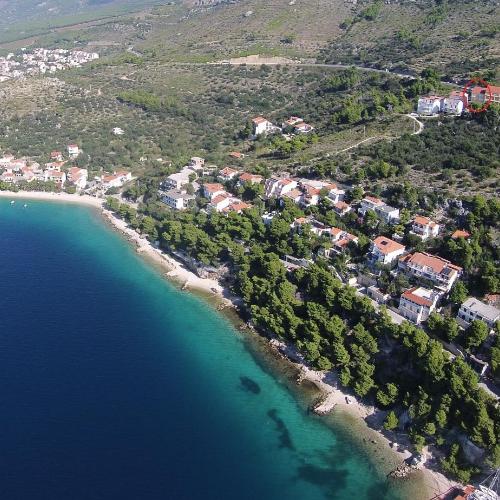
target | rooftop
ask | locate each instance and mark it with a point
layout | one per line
(460, 233)
(437, 264)
(419, 295)
(386, 245)
(491, 313)
(423, 221)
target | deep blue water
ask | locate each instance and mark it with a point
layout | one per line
(115, 385)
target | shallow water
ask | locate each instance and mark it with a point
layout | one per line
(114, 384)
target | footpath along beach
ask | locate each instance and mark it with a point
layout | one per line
(329, 394)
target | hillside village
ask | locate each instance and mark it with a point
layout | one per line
(407, 265)
(57, 174)
(40, 61)
(424, 280)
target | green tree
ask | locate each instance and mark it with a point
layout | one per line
(391, 421)
(388, 395)
(459, 293)
(476, 334)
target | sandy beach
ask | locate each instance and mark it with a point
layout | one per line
(333, 397)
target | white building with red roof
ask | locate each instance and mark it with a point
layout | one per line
(220, 201)
(56, 156)
(291, 122)
(424, 227)
(294, 195)
(211, 190)
(303, 128)
(262, 126)
(341, 208)
(56, 176)
(384, 211)
(78, 177)
(227, 173)
(417, 303)
(335, 194)
(278, 186)
(480, 95)
(454, 103)
(386, 251)
(431, 267)
(116, 179)
(429, 105)
(369, 203)
(250, 178)
(236, 206)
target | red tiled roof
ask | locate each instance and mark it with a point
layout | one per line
(412, 297)
(437, 264)
(424, 221)
(460, 233)
(386, 245)
(294, 193)
(228, 171)
(374, 200)
(250, 177)
(341, 205)
(238, 206)
(213, 188)
(259, 119)
(219, 198)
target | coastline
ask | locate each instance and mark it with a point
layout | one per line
(324, 389)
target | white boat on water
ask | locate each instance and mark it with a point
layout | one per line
(12, 202)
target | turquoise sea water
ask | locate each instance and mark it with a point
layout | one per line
(115, 385)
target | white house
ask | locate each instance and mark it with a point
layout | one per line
(179, 179)
(335, 194)
(211, 190)
(385, 250)
(416, 304)
(454, 103)
(303, 128)
(291, 122)
(220, 202)
(250, 178)
(118, 131)
(78, 177)
(275, 186)
(116, 179)
(268, 217)
(176, 199)
(369, 203)
(55, 176)
(429, 105)
(56, 156)
(424, 227)
(262, 126)
(473, 309)
(73, 150)
(430, 267)
(227, 173)
(384, 211)
(236, 206)
(341, 208)
(387, 213)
